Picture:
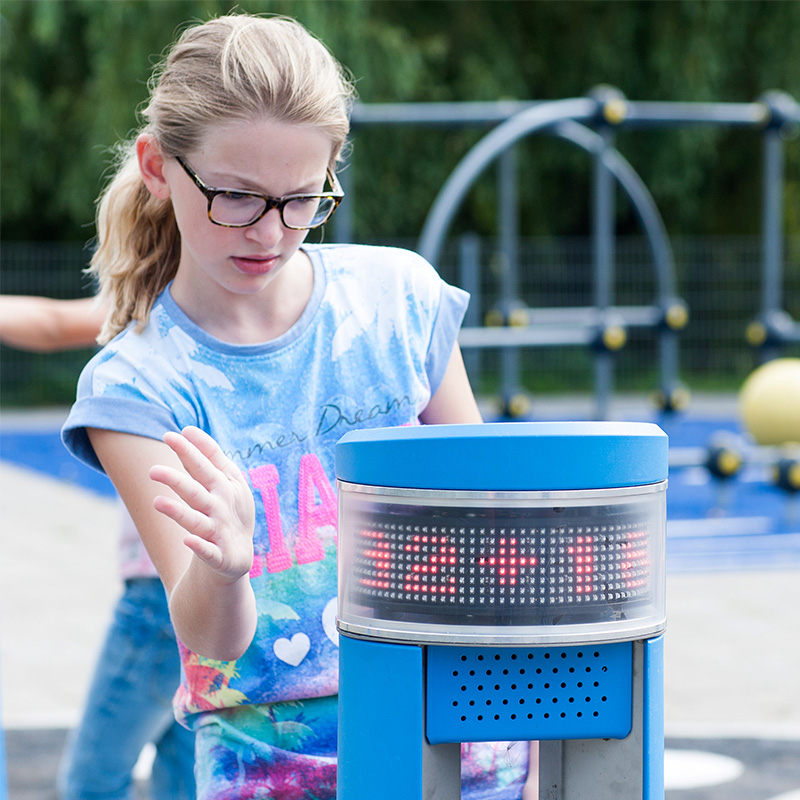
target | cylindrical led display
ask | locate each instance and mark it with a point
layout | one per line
(563, 543)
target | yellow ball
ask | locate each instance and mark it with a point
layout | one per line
(769, 402)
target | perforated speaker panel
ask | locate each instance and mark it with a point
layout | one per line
(478, 694)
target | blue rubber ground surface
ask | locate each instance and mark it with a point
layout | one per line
(743, 523)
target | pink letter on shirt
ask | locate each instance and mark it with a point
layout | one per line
(313, 515)
(266, 479)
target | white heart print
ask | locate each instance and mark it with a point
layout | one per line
(292, 651)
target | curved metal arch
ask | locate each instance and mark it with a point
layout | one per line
(483, 153)
(559, 118)
(643, 203)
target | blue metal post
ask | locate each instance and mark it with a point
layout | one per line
(473, 609)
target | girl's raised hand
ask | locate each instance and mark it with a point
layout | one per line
(215, 505)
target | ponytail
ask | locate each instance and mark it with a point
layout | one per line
(138, 248)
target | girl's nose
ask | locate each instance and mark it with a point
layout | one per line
(268, 230)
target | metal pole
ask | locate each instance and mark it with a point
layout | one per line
(508, 226)
(469, 259)
(603, 228)
(772, 229)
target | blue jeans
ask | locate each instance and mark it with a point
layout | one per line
(129, 705)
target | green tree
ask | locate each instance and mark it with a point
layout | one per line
(72, 73)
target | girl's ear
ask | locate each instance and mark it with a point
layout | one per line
(151, 166)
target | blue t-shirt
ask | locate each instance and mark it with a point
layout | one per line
(369, 350)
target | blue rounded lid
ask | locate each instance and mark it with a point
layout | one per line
(506, 456)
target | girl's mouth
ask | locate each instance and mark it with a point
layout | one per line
(255, 265)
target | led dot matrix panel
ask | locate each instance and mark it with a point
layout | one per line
(508, 533)
(487, 565)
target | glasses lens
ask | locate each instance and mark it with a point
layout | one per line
(230, 208)
(307, 212)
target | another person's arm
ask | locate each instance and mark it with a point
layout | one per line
(47, 324)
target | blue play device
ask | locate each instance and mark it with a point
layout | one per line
(502, 582)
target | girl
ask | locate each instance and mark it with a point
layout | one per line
(237, 356)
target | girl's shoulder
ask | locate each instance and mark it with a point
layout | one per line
(156, 348)
(374, 263)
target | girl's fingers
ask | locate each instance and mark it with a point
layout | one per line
(194, 460)
(192, 521)
(212, 502)
(203, 454)
(192, 492)
(205, 550)
(204, 460)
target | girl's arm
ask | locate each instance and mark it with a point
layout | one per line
(196, 517)
(530, 790)
(47, 325)
(453, 401)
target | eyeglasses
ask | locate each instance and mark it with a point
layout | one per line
(232, 208)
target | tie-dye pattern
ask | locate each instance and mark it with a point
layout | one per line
(287, 751)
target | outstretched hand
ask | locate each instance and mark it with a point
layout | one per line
(214, 504)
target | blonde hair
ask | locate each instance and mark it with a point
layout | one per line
(233, 68)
